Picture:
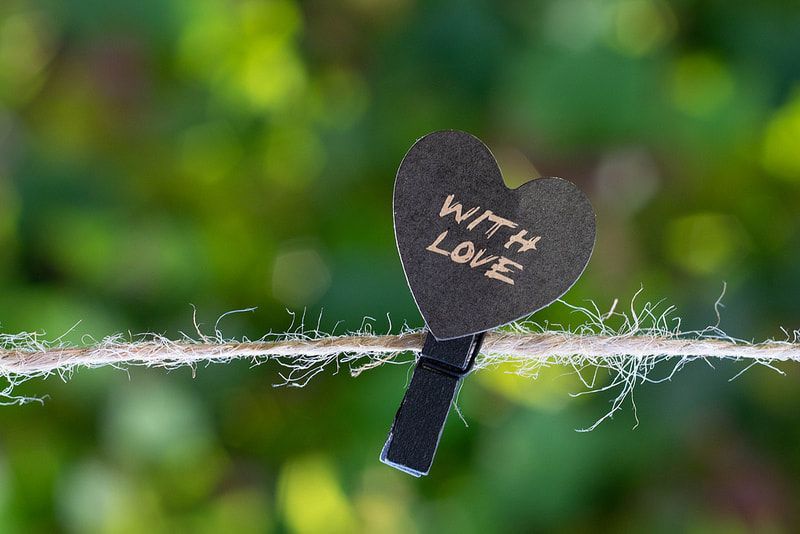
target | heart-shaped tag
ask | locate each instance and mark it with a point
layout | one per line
(477, 254)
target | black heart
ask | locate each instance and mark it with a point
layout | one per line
(458, 289)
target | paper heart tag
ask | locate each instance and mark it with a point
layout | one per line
(477, 254)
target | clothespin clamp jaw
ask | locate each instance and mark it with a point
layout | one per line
(419, 422)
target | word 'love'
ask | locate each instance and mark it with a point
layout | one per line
(499, 267)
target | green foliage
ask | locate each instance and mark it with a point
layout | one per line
(236, 153)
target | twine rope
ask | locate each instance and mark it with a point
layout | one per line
(629, 344)
(541, 347)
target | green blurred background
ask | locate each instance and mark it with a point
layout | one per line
(160, 153)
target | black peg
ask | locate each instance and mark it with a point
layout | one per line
(419, 422)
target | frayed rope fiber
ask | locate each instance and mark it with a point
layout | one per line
(541, 347)
(629, 345)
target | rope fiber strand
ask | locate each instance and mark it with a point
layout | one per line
(542, 348)
(628, 345)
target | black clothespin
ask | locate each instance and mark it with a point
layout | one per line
(476, 255)
(419, 422)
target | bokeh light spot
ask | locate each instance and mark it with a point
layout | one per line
(383, 502)
(93, 497)
(701, 84)
(575, 24)
(25, 49)
(704, 243)
(781, 147)
(550, 392)
(270, 74)
(627, 179)
(246, 55)
(153, 421)
(299, 276)
(641, 26)
(311, 498)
